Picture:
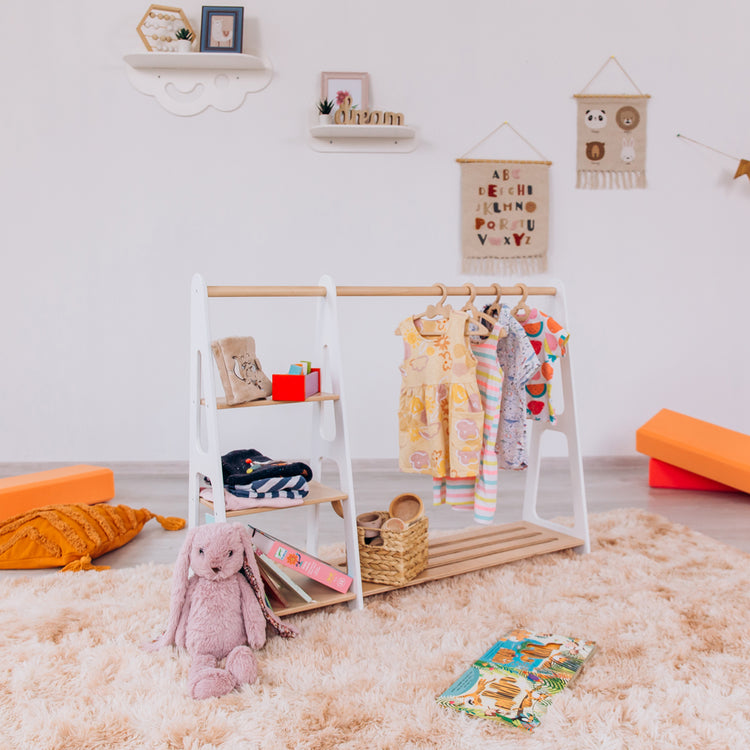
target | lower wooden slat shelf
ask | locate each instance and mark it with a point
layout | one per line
(455, 554)
(322, 596)
(477, 549)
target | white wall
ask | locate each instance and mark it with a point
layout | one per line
(110, 204)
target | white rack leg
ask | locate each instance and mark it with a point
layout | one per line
(567, 424)
(335, 448)
(205, 453)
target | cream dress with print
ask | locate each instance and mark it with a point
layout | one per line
(440, 409)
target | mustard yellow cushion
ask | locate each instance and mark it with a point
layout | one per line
(71, 535)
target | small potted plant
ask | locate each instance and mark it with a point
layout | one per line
(325, 111)
(184, 40)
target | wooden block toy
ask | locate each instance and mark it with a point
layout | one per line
(698, 447)
(664, 475)
(63, 486)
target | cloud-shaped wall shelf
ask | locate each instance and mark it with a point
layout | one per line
(187, 83)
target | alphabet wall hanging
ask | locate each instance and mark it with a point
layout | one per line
(611, 135)
(504, 213)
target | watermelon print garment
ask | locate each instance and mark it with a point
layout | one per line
(440, 411)
(518, 362)
(550, 341)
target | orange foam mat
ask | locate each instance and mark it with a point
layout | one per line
(63, 486)
(697, 446)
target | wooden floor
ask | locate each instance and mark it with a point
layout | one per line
(610, 483)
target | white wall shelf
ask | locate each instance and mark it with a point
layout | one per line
(186, 83)
(363, 138)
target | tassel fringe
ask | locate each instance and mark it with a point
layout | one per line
(84, 563)
(490, 266)
(598, 180)
(170, 523)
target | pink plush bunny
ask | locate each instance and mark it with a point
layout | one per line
(218, 613)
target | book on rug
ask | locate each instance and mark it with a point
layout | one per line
(299, 561)
(516, 680)
(281, 580)
(272, 589)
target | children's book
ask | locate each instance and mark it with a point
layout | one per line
(271, 585)
(302, 562)
(282, 580)
(516, 680)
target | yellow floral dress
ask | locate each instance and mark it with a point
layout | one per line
(440, 410)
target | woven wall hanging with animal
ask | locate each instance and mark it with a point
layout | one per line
(611, 138)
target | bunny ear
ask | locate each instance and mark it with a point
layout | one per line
(179, 588)
(247, 544)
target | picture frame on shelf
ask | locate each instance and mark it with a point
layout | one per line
(221, 28)
(337, 86)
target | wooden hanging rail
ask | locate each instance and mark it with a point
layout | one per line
(374, 291)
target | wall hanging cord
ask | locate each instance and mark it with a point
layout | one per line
(582, 93)
(463, 158)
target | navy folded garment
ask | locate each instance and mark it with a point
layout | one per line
(235, 466)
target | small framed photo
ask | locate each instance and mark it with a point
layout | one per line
(337, 86)
(221, 28)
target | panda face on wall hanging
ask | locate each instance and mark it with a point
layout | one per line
(595, 119)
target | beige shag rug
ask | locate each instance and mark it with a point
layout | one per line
(668, 608)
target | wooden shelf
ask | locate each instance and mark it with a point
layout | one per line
(194, 61)
(322, 596)
(221, 403)
(451, 555)
(362, 131)
(481, 548)
(318, 493)
(187, 83)
(363, 138)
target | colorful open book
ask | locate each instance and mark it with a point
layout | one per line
(517, 679)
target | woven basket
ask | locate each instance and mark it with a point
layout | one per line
(401, 557)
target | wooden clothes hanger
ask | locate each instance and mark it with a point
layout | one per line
(439, 310)
(521, 311)
(434, 315)
(476, 317)
(494, 308)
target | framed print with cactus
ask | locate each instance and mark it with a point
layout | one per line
(504, 213)
(611, 137)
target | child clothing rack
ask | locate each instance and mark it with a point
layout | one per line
(450, 555)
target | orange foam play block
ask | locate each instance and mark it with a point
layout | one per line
(661, 474)
(697, 446)
(64, 486)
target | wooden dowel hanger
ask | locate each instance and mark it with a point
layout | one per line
(379, 291)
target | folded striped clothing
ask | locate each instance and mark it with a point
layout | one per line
(232, 502)
(274, 487)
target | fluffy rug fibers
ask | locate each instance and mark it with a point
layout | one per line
(668, 608)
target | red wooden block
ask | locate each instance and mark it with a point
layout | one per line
(295, 387)
(662, 474)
